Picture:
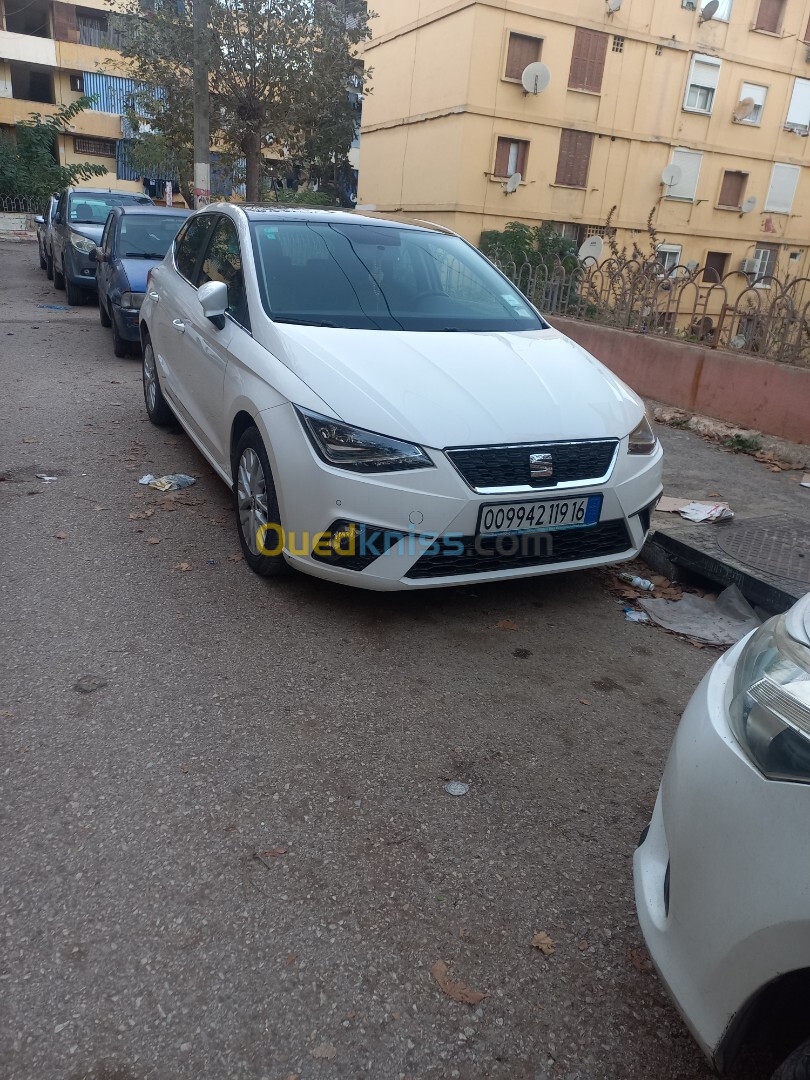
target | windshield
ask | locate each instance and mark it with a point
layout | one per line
(381, 277)
(92, 208)
(147, 236)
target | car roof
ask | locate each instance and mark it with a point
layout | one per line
(150, 208)
(262, 211)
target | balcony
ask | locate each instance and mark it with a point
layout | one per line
(29, 17)
(25, 49)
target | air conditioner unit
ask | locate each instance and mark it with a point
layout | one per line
(690, 5)
(750, 266)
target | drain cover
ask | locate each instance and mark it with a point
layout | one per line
(779, 545)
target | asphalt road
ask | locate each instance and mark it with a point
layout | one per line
(152, 928)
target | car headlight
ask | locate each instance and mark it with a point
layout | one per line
(770, 710)
(132, 299)
(642, 439)
(348, 447)
(82, 243)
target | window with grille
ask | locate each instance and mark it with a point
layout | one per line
(575, 158)
(522, 51)
(732, 189)
(770, 14)
(704, 75)
(588, 60)
(618, 43)
(511, 157)
(96, 147)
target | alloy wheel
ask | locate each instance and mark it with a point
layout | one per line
(251, 495)
(150, 384)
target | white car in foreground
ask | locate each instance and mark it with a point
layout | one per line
(388, 409)
(722, 874)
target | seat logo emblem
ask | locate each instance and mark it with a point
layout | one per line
(541, 466)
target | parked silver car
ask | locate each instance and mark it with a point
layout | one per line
(44, 224)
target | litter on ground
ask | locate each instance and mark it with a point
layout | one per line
(695, 511)
(170, 482)
(723, 621)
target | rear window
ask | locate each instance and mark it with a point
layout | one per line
(147, 236)
(382, 277)
(92, 207)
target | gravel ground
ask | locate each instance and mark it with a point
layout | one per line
(153, 928)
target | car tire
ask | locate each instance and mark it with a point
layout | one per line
(75, 293)
(43, 265)
(49, 267)
(795, 1067)
(255, 504)
(120, 345)
(157, 408)
(58, 277)
(104, 318)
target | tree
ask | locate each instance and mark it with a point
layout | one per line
(281, 72)
(29, 157)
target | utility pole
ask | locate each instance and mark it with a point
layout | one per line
(202, 144)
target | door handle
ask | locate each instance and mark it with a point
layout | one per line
(154, 296)
(179, 326)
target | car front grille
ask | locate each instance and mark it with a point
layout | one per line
(513, 551)
(509, 466)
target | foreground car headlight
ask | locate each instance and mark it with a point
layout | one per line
(132, 299)
(82, 243)
(770, 711)
(642, 439)
(348, 447)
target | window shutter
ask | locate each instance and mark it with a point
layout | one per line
(502, 157)
(575, 158)
(65, 24)
(588, 60)
(523, 156)
(732, 188)
(799, 109)
(769, 16)
(715, 269)
(689, 162)
(782, 192)
(523, 51)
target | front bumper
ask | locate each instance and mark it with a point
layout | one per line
(721, 878)
(427, 504)
(126, 320)
(79, 269)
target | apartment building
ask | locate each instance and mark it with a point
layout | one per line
(699, 115)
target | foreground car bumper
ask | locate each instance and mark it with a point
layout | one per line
(721, 881)
(79, 269)
(126, 320)
(431, 516)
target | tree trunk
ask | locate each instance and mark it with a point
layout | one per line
(252, 147)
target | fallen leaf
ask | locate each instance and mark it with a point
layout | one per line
(26, 439)
(455, 990)
(101, 508)
(325, 1051)
(291, 958)
(139, 515)
(235, 558)
(583, 945)
(640, 960)
(153, 539)
(274, 853)
(60, 536)
(87, 684)
(584, 701)
(184, 566)
(543, 942)
(506, 624)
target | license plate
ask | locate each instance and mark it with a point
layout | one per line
(539, 515)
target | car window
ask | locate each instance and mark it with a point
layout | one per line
(92, 207)
(223, 262)
(107, 235)
(147, 236)
(382, 277)
(62, 208)
(190, 244)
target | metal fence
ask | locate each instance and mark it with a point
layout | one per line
(23, 204)
(751, 313)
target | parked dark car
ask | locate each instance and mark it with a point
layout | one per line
(135, 239)
(77, 227)
(44, 223)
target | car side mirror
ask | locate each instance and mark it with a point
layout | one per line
(39, 219)
(57, 218)
(213, 297)
(97, 255)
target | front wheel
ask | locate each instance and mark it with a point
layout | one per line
(58, 277)
(120, 345)
(258, 520)
(104, 318)
(157, 407)
(795, 1067)
(49, 267)
(75, 293)
(42, 263)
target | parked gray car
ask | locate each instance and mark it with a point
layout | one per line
(44, 224)
(76, 231)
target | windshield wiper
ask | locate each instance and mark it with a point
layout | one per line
(303, 322)
(143, 255)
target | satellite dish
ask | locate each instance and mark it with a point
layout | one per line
(613, 6)
(536, 78)
(749, 204)
(513, 183)
(744, 108)
(592, 248)
(708, 11)
(672, 175)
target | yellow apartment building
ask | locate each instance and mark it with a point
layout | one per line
(636, 87)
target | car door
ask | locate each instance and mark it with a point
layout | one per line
(59, 231)
(208, 346)
(172, 295)
(104, 268)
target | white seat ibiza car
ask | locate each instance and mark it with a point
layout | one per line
(388, 409)
(722, 874)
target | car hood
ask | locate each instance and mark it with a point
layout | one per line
(136, 271)
(459, 389)
(92, 232)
